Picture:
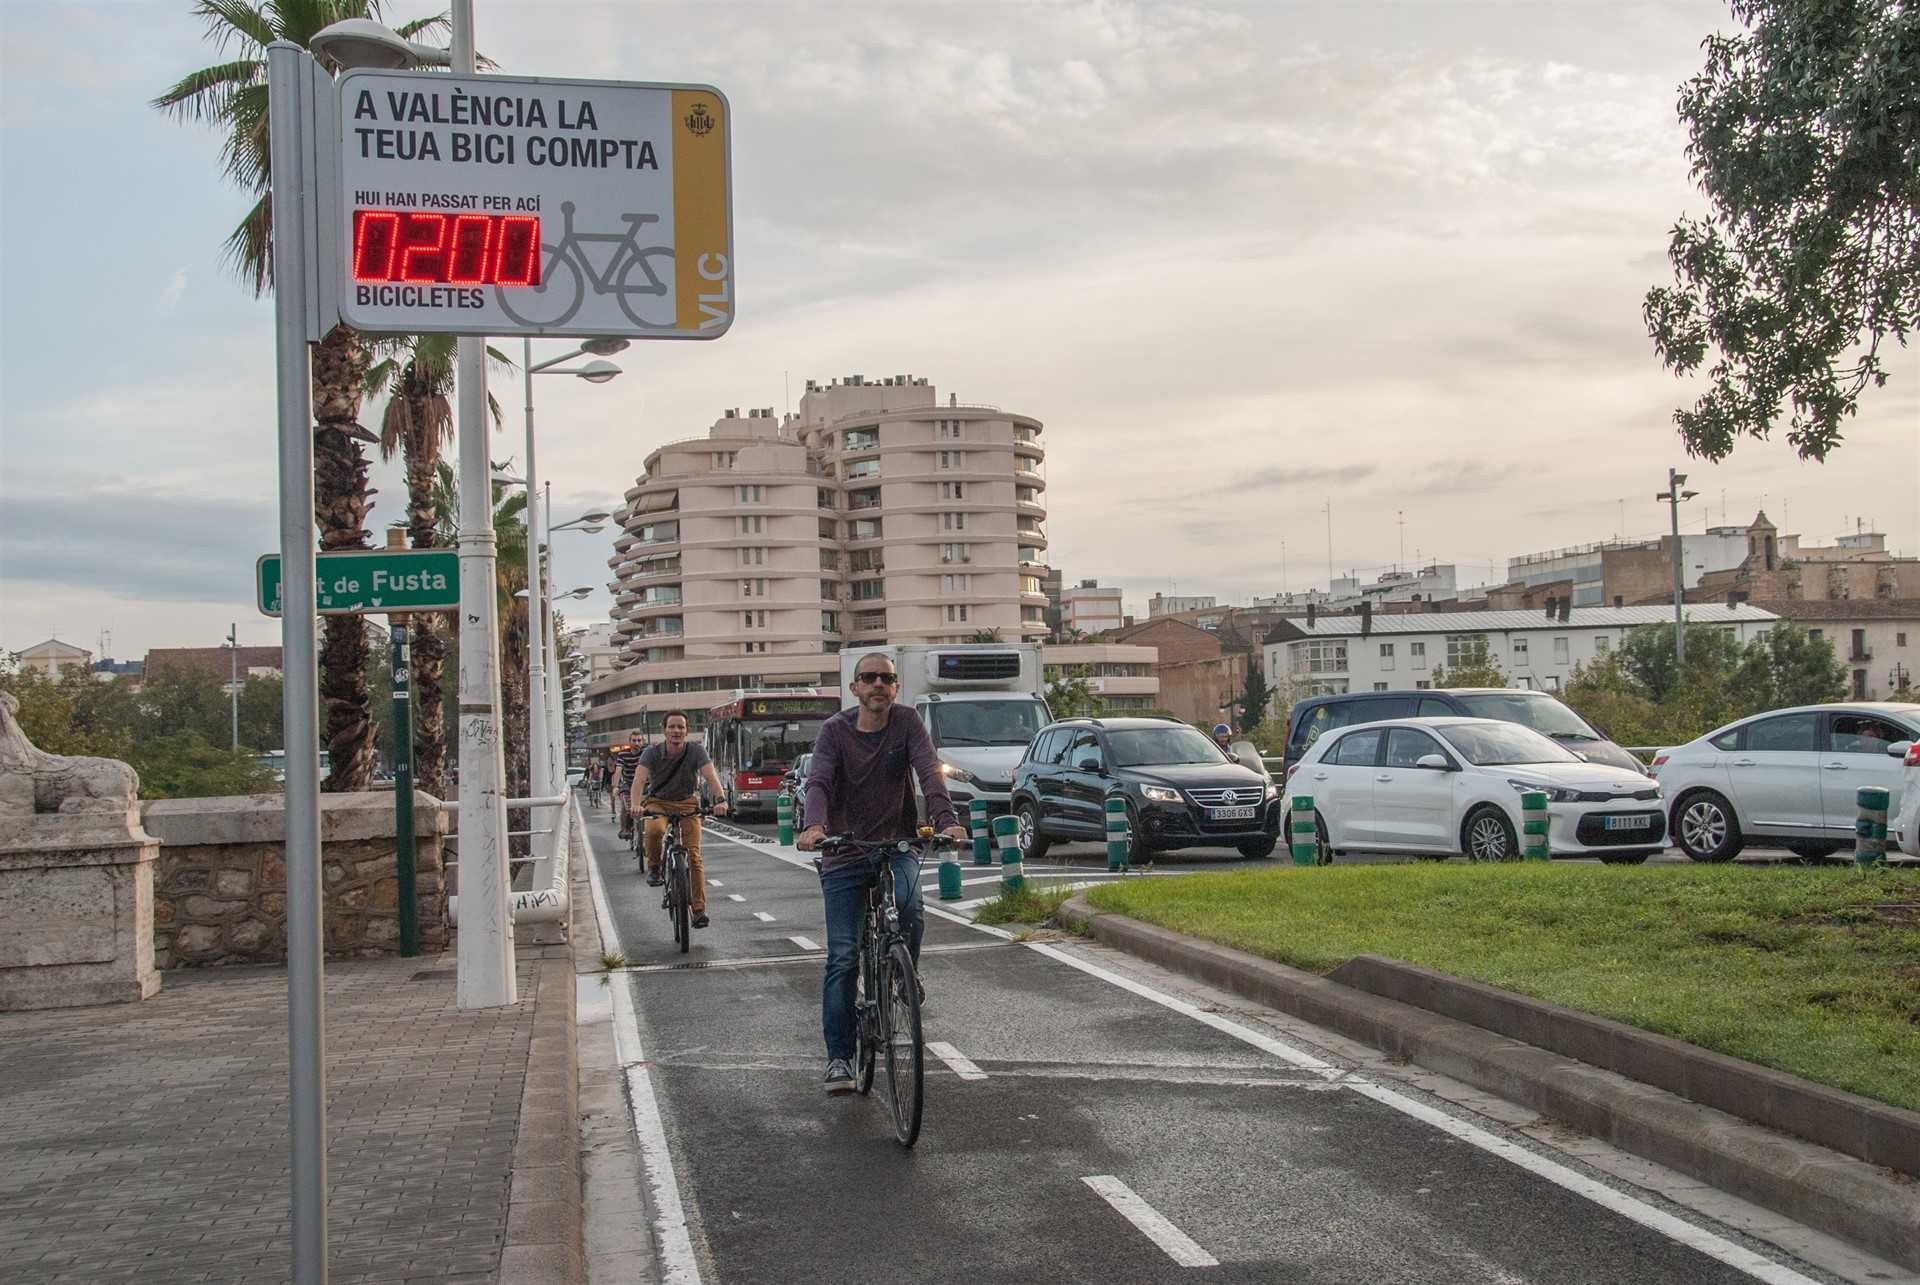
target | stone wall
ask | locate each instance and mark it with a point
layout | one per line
(220, 886)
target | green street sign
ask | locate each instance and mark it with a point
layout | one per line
(365, 582)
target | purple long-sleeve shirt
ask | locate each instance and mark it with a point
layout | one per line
(859, 781)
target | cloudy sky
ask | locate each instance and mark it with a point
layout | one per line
(1244, 261)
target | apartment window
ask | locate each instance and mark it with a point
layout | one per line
(1319, 656)
(956, 584)
(1553, 682)
(1519, 653)
(754, 525)
(867, 499)
(1559, 652)
(863, 468)
(956, 615)
(1463, 648)
(953, 490)
(864, 529)
(953, 521)
(868, 590)
(862, 439)
(1417, 653)
(1379, 687)
(753, 620)
(753, 555)
(753, 494)
(824, 498)
(1026, 494)
(953, 459)
(946, 429)
(1031, 584)
(868, 560)
(753, 648)
(724, 459)
(956, 553)
(829, 559)
(1386, 657)
(1899, 640)
(1421, 684)
(829, 589)
(658, 532)
(1816, 633)
(756, 588)
(829, 529)
(829, 622)
(868, 621)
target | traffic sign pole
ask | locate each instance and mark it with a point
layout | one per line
(484, 960)
(405, 899)
(290, 78)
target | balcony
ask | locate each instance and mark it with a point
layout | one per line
(647, 570)
(1859, 653)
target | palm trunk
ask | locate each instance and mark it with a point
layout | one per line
(340, 504)
(429, 642)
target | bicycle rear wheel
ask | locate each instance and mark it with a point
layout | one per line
(681, 902)
(906, 1056)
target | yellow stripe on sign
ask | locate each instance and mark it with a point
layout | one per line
(703, 277)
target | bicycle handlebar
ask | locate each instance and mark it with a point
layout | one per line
(916, 845)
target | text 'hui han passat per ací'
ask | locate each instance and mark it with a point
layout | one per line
(404, 120)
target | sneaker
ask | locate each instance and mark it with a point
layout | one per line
(839, 1075)
(700, 920)
(653, 879)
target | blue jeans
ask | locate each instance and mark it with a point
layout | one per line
(845, 892)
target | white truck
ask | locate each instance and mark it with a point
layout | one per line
(981, 703)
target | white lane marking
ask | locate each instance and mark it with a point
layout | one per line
(734, 896)
(805, 943)
(1635, 1210)
(763, 916)
(962, 1067)
(1179, 1246)
(715, 883)
(677, 1262)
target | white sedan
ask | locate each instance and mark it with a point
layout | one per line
(1442, 786)
(1787, 777)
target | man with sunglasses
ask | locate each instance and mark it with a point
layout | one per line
(860, 783)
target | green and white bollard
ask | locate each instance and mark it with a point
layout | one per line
(982, 833)
(1870, 829)
(1304, 842)
(1119, 837)
(1533, 824)
(949, 878)
(1006, 837)
(783, 813)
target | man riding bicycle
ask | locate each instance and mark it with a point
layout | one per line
(859, 783)
(623, 765)
(666, 782)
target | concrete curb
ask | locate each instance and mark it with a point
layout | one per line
(545, 1242)
(1869, 1206)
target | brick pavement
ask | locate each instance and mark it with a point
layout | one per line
(148, 1142)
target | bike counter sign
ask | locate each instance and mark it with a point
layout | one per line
(496, 205)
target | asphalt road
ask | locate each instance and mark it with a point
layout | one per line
(1109, 1135)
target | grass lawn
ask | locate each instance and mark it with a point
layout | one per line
(1812, 971)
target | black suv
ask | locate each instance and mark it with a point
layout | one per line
(1316, 715)
(1180, 790)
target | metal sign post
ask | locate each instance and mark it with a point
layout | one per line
(405, 896)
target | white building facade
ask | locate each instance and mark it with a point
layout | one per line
(1123, 675)
(1337, 654)
(1091, 607)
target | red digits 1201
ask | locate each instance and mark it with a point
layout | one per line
(440, 249)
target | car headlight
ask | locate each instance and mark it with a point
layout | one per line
(1273, 792)
(953, 772)
(1160, 794)
(1555, 794)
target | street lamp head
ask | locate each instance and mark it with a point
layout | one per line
(605, 347)
(593, 517)
(1688, 495)
(595, 529)
(598, 372)
(508, 479)
(362, 42)
(1679, 479)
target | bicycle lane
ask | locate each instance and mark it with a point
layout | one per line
(1095, 1133)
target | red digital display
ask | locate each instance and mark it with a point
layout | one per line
(418, 246)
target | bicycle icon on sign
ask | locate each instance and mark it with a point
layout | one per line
(566, 270)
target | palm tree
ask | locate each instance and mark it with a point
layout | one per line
(418, 370)
(231, 95)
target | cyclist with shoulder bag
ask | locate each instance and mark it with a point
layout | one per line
(666, 784)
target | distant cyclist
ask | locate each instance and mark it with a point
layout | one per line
(1223, 737)
(623, 765)
(860, 783)
(666, 782)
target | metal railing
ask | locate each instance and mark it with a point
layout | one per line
(546, 899)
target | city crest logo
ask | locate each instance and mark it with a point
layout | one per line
(700, 121)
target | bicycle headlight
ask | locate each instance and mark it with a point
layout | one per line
(1160, 794)
(954, 772)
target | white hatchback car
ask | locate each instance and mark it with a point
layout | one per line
(1786, 777)
(1437, 787)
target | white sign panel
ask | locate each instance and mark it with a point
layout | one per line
(496, 205)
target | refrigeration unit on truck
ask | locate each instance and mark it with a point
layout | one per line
(981, 703)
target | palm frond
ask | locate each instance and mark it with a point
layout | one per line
(249, 249)
(380, 373)
(201, 97)
(424, 26)
(229, 21)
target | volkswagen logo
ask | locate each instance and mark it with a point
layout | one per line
(1229, 798)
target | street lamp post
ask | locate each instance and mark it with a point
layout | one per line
(1673, 495)
(233, 679)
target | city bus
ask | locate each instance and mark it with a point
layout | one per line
(755, 737)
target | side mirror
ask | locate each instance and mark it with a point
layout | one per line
(1899, 749)
(1091, 763)
(1432, 762)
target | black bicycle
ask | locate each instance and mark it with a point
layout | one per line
(676, 867)
(887, 992)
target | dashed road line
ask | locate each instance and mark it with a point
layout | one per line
(805, 943)
(1179, 1246)
(734, 896)
(962, 1067)
(763, 916)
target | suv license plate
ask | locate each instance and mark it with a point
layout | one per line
(1230, 814)
(1627, 823)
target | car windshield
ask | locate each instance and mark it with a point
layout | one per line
(1009, 722)
(1158, 746)
(1497, 745)
(1542, 713)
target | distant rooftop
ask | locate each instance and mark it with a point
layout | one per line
(1465, 622)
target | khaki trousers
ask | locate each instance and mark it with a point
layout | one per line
(655, 837)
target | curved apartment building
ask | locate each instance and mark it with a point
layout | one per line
(750, 556)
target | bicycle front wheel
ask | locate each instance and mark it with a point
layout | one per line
(866, 1027)
(906, 1056)
(681, 902)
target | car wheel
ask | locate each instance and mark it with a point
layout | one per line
(1624, 858)
(1255, 849)
(1141, 850)
(1705, 828)
(1033, 844)
(1323, 853)
(1488, 836)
